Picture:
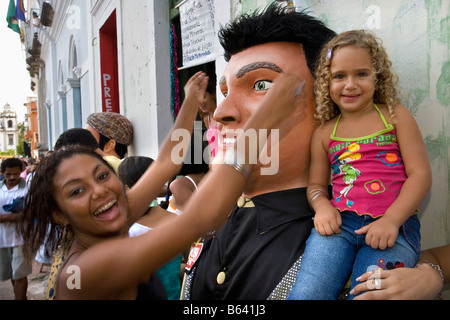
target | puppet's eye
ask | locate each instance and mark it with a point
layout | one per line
(262, 85)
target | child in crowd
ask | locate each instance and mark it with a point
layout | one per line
(185, 183)
(165, 283)
(379, 166)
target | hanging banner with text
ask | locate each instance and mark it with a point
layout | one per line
(197, 32)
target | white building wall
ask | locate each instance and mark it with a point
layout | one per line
(62, 86)
(143, 67)
(146, 73)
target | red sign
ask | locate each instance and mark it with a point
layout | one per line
(196, 249)
(109, 65)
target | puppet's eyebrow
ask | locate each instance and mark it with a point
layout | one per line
(257, 65)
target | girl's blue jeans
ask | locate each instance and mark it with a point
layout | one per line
(328, 261)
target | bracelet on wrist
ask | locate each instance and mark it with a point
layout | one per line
(242, 169)
(435, 267)
(315, 193)
(438, 269)
(237, 161)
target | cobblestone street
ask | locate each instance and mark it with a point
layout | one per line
(37, 284)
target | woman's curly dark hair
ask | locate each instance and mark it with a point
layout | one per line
(38, 226)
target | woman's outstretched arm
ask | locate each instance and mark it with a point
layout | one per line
(164, 167)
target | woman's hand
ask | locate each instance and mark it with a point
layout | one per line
(282, 98)
(195, 88)
(423, 282)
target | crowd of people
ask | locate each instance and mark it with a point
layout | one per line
(333, 102)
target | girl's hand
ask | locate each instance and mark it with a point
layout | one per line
(328, 222)
(381, 233)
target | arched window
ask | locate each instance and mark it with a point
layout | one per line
(74, 105)
(60, 75)
(62, 100)
(73, 59)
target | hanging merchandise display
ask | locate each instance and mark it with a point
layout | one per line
(174, 82)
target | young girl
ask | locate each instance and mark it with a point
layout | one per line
(79, 195)
(185, 183)
(370, 223)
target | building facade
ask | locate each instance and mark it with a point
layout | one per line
(9, 133)
(32, 127)
(105, 55)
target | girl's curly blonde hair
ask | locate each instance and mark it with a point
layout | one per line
(385, 80)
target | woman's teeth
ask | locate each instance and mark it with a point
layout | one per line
(105, 207)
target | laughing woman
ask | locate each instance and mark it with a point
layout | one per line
(81, 198)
